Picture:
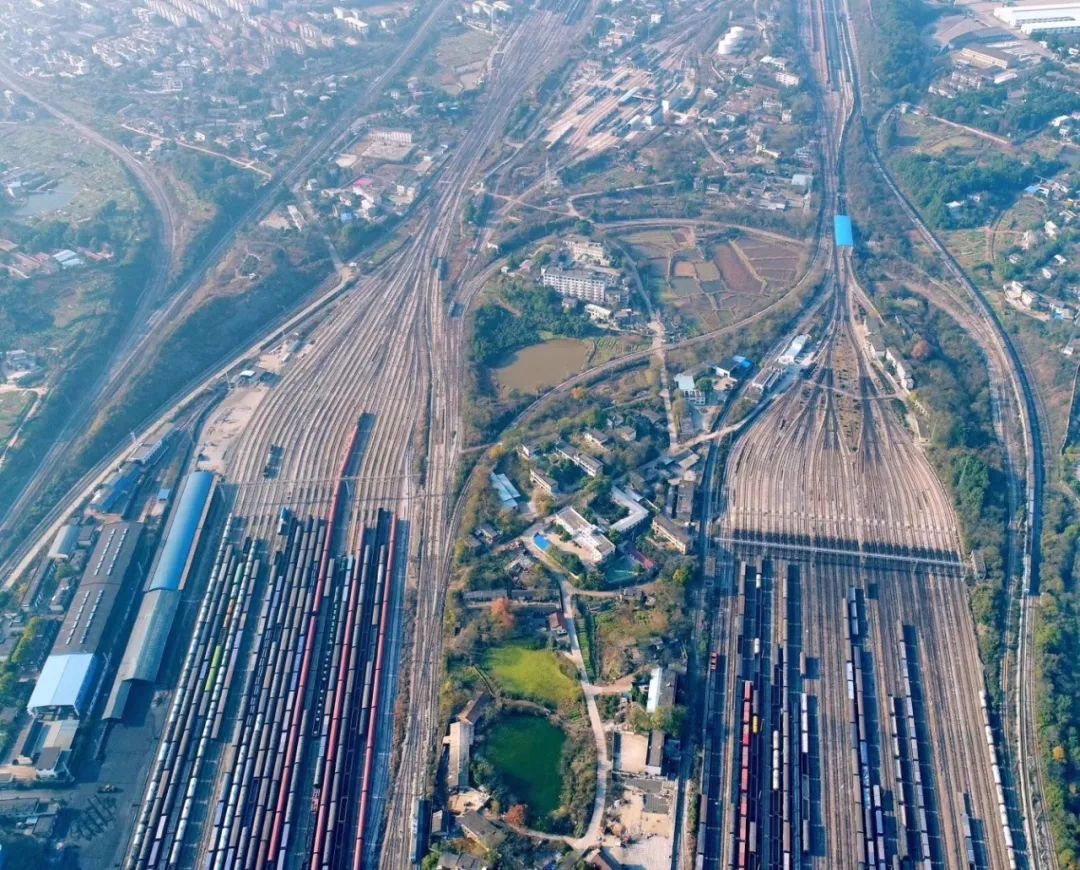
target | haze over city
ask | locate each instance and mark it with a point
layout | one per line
(539, 434)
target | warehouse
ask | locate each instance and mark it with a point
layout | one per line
(69, 676)
(91, 609)
(1031, 18)
(65, 688)
(182, 532)
(157, 610)
(64, 544)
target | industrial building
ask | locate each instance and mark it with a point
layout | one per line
(69, 676)
(65, 689)
(64, 544)
(459, 743)
(161, 598)
(113, 494)
(793, 350)
(91, 609)
(506, 491)
(987, 56)
(1032, 18)
(47, 746)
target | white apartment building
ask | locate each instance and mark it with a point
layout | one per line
(589, 285)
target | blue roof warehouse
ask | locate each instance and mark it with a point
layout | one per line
(153, 624)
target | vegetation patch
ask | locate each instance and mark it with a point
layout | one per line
(998, 111)
(534, 675)
(1057, 637)
(953, 191)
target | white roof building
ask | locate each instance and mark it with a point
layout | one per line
(1030, 18)
(65, 686)
(791, 354)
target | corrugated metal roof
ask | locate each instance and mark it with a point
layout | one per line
(64, 682)
(65, 542)
(91, 608)
(146, 644)
(842, 231)
(183, 528)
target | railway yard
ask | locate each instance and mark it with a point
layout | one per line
(846, 702)
(286, 646)
(846, 722)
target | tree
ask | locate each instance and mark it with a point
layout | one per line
(921, 350)
(544, 504)
(517, 815)
(502, 617)
(682, 575)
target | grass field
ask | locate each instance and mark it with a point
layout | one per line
(533, 674)
(525, 750)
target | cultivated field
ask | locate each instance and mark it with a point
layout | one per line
(711, 281)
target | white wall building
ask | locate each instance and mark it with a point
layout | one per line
(1031, 18)
(591, 286)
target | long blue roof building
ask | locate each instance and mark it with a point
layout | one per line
(161, 599)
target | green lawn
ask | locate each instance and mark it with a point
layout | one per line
(533, 674)
(526, 751)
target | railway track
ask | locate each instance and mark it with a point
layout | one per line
(822, 482)
(390, 351)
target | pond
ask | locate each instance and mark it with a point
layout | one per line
(526, 750)
(542, 365)
(38, 204)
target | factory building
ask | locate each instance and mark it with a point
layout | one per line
(157, 610)
(987, 56)
(1032, 18)
(69, 676)
(112, 495)
(65, 543)
(793, 350)
(65, 688)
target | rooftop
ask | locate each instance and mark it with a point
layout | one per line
(183, 528)
(64, 682)
(92, 605)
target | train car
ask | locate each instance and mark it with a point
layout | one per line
(421, 829)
